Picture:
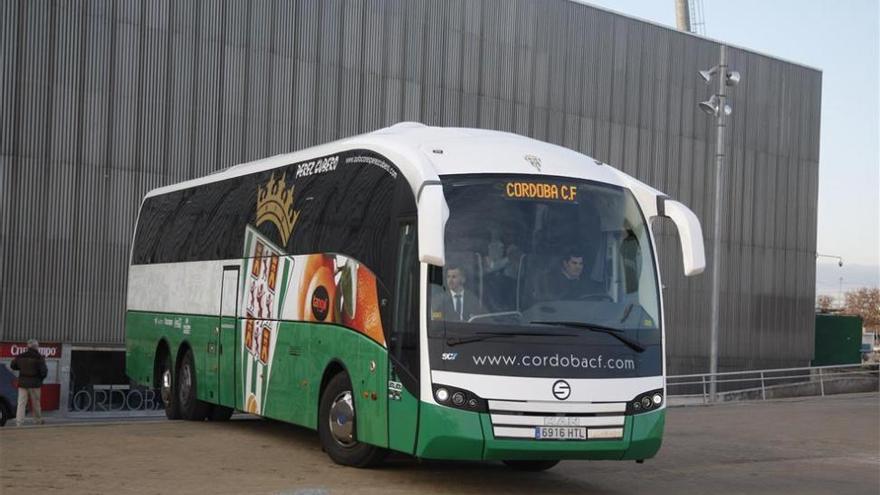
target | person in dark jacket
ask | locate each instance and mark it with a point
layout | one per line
(32, 371)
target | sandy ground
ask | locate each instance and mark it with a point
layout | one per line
(814, 445)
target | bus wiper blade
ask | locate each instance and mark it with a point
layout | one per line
(615, 332)
(453, 341)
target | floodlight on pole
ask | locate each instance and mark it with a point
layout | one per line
(712, 107)
(733, 78)
(706, 75)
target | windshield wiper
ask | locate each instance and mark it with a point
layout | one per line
(453, 341)
(615, 332)
(626, 312)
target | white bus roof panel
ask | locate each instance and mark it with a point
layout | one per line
(424, 153)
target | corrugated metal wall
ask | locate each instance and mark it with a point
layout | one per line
(103, 100)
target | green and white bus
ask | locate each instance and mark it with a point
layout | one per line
(447, 293)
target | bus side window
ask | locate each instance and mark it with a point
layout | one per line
(630, 253)
(404, 341)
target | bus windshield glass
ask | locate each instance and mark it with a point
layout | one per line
(530, 252)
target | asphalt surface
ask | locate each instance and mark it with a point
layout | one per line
(804, 446)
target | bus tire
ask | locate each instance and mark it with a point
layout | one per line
(220, 413)
(167, 391)
(337, 426)
(5, 412)
(191, 408)
(531, 466)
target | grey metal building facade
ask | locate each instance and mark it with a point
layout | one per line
(104, 100)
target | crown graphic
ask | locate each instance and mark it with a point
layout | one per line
(275, 204)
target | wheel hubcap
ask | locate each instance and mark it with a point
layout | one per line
(166, 386)
(342, 419)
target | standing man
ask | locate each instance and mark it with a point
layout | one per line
(32, 371)
(456, 303)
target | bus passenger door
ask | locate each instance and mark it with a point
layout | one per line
(403, 346)
(227, 336)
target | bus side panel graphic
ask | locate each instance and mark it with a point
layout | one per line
(324, 288)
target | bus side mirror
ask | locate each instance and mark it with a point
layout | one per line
(433, 213)
(689, 233)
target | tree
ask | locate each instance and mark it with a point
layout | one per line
(865, 302)
(824, 303)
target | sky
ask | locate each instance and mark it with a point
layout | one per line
(841, 39)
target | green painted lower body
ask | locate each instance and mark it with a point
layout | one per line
(302, 354)
(447, 433)
(291, 388)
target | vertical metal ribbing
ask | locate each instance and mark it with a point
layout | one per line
(562, 91)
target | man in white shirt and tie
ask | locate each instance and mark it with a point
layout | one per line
(456, 302)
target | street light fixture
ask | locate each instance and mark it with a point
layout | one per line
(839, 259)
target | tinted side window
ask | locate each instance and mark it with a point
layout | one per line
(347, 209)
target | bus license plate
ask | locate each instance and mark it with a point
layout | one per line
(560, 433)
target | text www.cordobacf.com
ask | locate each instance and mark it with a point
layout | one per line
(555, 361)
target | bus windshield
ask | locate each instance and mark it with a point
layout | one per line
(529, 252)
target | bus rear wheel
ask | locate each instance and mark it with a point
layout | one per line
(191, 407)
(337, 426)
(532, 466)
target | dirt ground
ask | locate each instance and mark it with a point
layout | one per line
(815, 445)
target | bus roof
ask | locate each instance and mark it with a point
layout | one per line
(424, 153)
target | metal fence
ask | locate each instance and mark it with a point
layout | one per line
(761, 383)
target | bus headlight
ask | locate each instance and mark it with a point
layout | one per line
(459, 398)
(646, 402)
(441, 394)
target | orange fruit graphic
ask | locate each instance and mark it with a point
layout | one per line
(367, 318)
(313, 263)
(320, 297)
(251, 406)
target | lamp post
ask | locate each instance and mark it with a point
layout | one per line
(717, 106)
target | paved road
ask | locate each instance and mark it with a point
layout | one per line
(804, 446)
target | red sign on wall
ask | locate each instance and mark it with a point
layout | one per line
(11, 349)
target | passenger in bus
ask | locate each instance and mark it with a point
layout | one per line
(456, 302)
(569, 280)
(501, 284)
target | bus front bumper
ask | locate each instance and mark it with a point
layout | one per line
(447, 433)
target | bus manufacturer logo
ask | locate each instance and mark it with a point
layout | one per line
(561, 389)
(534, 161)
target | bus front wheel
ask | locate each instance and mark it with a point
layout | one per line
(191, 407)
(337, 426)
(532, 466)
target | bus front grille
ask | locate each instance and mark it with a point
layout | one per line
(522, 419)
